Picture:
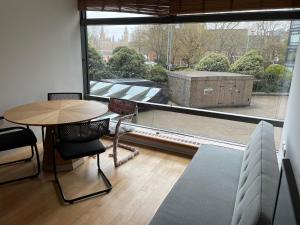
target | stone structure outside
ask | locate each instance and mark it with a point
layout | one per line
(202, 89)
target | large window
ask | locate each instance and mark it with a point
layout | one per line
(233, 67)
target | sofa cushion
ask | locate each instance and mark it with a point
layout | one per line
(205, 193)
(259, 179)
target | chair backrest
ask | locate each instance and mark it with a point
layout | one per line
(64, 96)
(84, 131)
(122, 107)
(16, 137)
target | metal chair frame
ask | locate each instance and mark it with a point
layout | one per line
(65, 93)
(134, 151)
(108, 188)
(34, 149)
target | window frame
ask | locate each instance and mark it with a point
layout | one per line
(210, 17)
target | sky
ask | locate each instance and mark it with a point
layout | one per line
(118, 30)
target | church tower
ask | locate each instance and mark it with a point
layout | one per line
(126, 36)
(102, 38)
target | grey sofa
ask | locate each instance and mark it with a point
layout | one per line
(223, 186)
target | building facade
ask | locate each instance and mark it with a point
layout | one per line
(293, 41)
(105, 44)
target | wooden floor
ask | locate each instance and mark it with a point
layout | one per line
(139, 187)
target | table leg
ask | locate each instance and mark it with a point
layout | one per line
(61, 165)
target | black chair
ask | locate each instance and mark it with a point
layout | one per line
(79, 140)
(64, 96)
(17, 137)
(61, 96)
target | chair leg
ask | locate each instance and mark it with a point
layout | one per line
(134, 153)
(105, 179)
(71, 201)
(115, 154)
(38, 160)
(33, 148)
(20, 160)
(43, 135)
(125, 159)
(32, 154)
(98, 162)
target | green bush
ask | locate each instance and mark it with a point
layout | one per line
(157, 74)
(118, 49)
(250, 64)
(213, 62)
(95, 64)
(277, 78)
(278, 72)
(127, 63)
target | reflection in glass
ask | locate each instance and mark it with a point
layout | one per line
(235, 67)
(295, 36)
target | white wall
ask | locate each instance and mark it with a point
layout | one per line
(291, 130)
(40, 50)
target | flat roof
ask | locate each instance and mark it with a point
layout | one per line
(123, 91)
(125, 80)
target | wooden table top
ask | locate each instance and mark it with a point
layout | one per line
(55, 112)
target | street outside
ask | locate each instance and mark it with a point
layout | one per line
(262, 106)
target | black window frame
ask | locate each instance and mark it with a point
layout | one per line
(204, 18)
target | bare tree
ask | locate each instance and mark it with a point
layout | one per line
(189, 43)
(227, 38)
(138, 40)
(271, 36)
(151, 38)
(221, 34)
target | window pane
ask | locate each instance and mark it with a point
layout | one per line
(236, 67)
(225, 130)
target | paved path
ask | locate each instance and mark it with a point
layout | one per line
(264, 106)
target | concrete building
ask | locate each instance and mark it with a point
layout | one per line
(293, 41)
(202, 89)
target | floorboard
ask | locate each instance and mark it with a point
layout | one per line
(139, 187)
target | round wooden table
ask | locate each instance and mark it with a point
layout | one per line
(50, 114)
